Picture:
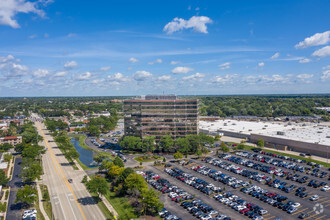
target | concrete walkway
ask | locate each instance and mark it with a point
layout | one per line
(104, 200)
(41, 207)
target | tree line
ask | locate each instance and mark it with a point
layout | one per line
(263, 106)
(190, 144)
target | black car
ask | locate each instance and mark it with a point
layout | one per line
(303, 215)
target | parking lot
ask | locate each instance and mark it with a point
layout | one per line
(244, 186)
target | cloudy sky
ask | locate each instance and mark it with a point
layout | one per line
(88, 48)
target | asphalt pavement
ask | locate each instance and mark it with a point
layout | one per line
(14, 210)
(69, 200)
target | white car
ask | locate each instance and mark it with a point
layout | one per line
(296, 205)
(30, 211)
(314, 198)
(325, 188)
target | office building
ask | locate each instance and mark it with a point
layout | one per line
(160, 115)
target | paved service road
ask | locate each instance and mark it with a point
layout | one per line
(70, 201)
(14, 210)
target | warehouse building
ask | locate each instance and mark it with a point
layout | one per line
(306, 137)
(160, 115)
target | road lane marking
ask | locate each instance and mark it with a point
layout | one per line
(63, 178)
(71, 207)
(59, 202)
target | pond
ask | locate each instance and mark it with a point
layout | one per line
(86, 156)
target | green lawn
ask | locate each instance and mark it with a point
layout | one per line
(108, 215)
(147, 160)
(46, 204)
(121, 205)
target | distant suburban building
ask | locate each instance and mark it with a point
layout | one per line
(160, 115)
(13, 140)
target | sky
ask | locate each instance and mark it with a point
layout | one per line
(186, 47)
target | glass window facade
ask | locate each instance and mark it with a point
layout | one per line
(158, 118)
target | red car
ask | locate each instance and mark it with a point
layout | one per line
(244, 210)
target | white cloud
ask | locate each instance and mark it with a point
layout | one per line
(70, 64)
(197, 23)
(133, 60)
(33, 36)
(97, 81)
(225, 79)
(315, 40)
(142, 75)
(7, 59)
(181, 70)
(84, 76)
(71, 35)
(118, 77)
(60, 74)
(325, 75)
(164, 78)
(323, 52)
(196, 76)
(261, 64)
(10, 8)
(39, 73)
(305, 60)
(156, 61)
(275, 56)
(267, 79)
(11, 69)
(224, 66)
(326, 67)
(305, 76)
(106, 68)
(174, 62)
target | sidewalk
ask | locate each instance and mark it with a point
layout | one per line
(41, 207)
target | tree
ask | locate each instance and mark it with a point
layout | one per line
(217, 137)
(148, 144)
(183, 145)
(31, 170)
(94, 131)
(134, 182)
(260, 143)
(166, 143)
(117, 161)
(98, 158)
(84, 179)
(3, 178)
(7, 157)
(115, 170)
(97, 185)
(177, 155)
(27, 195)
(224, 147)
(5, 147)
(150, 202)
(124, 175)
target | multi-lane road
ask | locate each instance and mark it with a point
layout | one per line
(70, 201)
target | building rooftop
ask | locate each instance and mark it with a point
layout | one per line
(302, 131)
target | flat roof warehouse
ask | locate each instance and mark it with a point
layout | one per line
(304, 131)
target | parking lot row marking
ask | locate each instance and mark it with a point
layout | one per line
(320, 217)
(322, 199)
(270, 218)
(313, 215)
(299, 211)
